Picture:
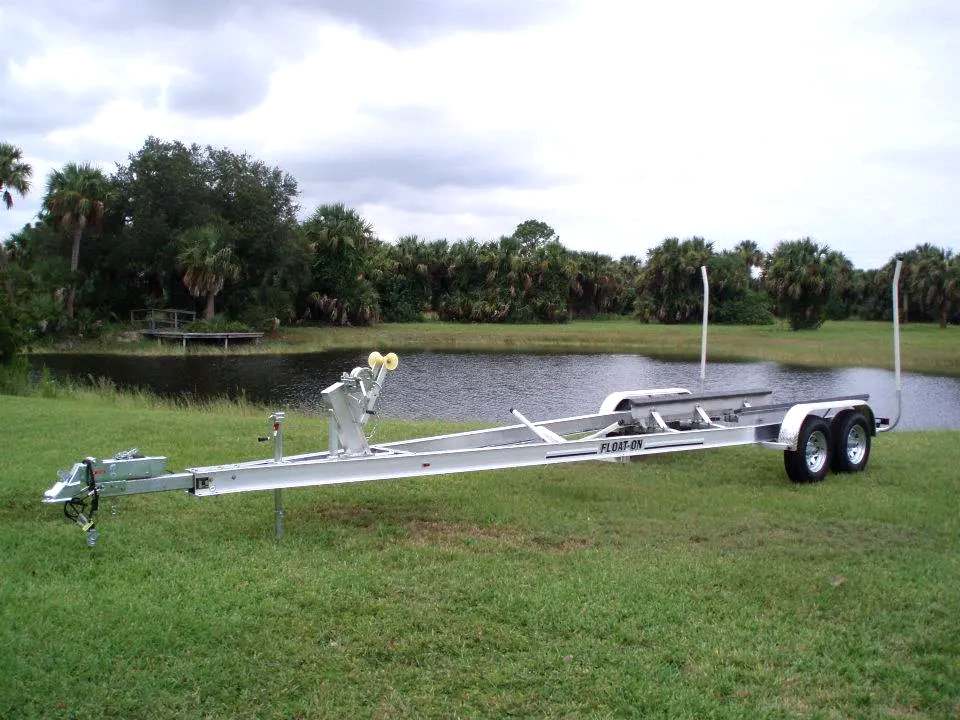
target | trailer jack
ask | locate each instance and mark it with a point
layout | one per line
(82, 509)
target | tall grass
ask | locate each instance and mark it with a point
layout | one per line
(18, 380)
(693, 585)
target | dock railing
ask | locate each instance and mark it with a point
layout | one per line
(162, 319)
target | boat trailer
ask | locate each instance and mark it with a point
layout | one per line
(815, 436)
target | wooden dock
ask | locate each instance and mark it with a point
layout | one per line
(167, 324)
(162, 335)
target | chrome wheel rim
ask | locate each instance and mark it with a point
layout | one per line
(816, 451)
(856, 444)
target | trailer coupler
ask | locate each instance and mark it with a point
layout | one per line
(126, 473)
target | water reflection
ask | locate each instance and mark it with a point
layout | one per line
(478, 386)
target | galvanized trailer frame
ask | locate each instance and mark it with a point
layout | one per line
(815, 436)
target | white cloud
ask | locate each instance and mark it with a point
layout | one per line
(618, 124)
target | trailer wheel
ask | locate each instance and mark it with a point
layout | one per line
(851, 442)
(811, 460)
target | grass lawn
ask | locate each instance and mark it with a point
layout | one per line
(695, 585)
(925, 348)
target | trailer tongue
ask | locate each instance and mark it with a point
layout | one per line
(814, 435)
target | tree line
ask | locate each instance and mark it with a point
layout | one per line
(184, 226)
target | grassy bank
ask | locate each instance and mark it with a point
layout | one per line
(702, 584)
(926, 348)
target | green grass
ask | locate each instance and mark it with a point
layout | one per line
(693, 585)
(925, 348)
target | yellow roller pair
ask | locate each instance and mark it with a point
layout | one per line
(389, 361)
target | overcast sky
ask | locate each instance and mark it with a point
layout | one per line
(618, 123)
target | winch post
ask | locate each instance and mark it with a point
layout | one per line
(353, 401)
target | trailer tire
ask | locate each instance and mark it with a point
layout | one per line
(811, 460)
(851, 442)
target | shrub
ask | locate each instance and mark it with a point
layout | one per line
(15, 377)
(753, 308)
(218, 323)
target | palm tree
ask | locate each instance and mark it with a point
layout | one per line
(915, 305)
(751, 253)
(671, 282)
(571, 271)
(936, 279)
(76, 198)
(14, 173)
(338, 229)
(463, 273)
(753, 257)
(344, 246)
(207, 263)
(802, 276)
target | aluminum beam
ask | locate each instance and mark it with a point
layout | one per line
(270, 475)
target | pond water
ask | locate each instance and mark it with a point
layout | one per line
(484, 386)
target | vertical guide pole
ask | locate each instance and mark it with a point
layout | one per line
(898, 384)
(278, 457)
(703, 338)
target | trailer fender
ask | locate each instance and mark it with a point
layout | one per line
(793, 420)
(871, 418)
